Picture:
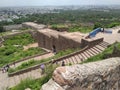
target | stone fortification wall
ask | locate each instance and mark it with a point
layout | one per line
(85, 42)
(101, 75)
(12, 27)
(46, 40)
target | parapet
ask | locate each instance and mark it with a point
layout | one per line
(101, 75)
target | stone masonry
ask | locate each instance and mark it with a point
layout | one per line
(101, 75)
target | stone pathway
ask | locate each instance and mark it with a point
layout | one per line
(45, 56)
(30, 46)
(6, 81)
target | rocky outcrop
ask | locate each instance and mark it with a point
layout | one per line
(101, 75)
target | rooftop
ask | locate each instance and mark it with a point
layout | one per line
(76, 36)
(50, 32)
(35, 25)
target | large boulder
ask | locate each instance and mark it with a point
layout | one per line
(101, 75)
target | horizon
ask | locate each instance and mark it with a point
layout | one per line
(60, 5)
(18, 3)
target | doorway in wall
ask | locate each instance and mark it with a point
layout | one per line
(54, 49)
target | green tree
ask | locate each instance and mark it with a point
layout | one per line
(97, 25)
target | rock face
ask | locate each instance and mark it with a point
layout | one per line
(101, 75)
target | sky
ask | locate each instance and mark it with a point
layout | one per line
(57, 2)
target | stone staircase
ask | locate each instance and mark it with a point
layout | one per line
(79, 57)
(6, 81)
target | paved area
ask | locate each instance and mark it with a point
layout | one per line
(6, 81)
(30, 46)
(110, 38)
(45, 56)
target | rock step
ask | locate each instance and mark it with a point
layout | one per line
(87, 54)
(93, 50)
(93, 53)
(104, 44)
(100, 47)
(97, 49)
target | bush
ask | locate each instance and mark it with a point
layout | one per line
(11, 53)
(22, 39)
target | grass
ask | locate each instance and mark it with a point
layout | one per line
(13, 49)
(22, 39)
(35, 84)
(81, 29)
(104, 54)
(73, 28)
(10, 32)
(11, 54)
(33, 62)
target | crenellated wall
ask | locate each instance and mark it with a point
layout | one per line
(101, 75)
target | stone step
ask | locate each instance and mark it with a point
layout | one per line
(103, 45)
(98, 50)
(68, 61)
(81, 57)
(86, 54)
(84, 57)
(75, 60)
(71, 60)
(100, 47)
(89, 53)
(92, 49)
(93, 53)
(78, 58)
(106, 43)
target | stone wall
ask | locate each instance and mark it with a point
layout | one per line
(33, 25)
(85, 42)
(101, 75)
(67, 43)
(60, 42)
(12, 27)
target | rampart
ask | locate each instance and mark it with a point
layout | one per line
(101, 75)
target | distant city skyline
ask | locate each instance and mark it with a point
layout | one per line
(5, 3)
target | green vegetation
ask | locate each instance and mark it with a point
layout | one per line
(92, 18)
(33, 62)
(72, 27)
(83, 29)
(10, 54)
(36, 84)
(22, 39)
(13, 49)
(105, 54)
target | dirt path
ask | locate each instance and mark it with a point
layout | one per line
(6, 81)
(45, 56)
(30, 46)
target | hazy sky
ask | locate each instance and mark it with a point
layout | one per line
(56, 2)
